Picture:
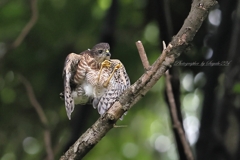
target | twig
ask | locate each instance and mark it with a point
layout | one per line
(28, 26)
(164, 45)
(136, 91)
(176, 122)
(143, 55)
(33, 100)
(48, 144)
(41, 114)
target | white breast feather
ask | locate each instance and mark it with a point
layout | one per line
(88, 88)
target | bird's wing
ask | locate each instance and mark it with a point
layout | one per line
(119, 82)
(69, 71)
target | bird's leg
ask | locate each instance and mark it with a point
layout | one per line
(105, 63)
(114, 70)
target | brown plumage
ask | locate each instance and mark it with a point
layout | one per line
(93, 76)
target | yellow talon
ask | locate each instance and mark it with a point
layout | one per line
(105, 63)
(114, 70)
(117, 67)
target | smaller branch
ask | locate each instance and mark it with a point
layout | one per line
(176, 122)
(41, 114)
(29, 25)
(143, 55)
(48, 144)
(164, 45)
(162, 57)
(34, 101)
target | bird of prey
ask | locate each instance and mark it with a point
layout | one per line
(92, 76)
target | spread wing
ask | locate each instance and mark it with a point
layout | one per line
(119, 82)
(70, 67)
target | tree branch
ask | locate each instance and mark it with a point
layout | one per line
(28, 26)
(176, 123)
(143, 55)
(41, 114)
(135, 92)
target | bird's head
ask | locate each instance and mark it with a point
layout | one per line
(101, 52)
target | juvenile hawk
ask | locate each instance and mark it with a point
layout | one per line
(92, 76)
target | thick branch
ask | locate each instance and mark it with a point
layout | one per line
(132, 95)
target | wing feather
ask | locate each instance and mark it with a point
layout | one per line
(69, 70)
(119, 82)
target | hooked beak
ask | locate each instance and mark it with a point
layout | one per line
(108, 54)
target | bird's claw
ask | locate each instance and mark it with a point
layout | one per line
(114, 70)
(119, 65)
(106, 64)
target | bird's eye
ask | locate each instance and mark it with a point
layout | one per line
(100, 51)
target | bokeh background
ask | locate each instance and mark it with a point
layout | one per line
(207, 96)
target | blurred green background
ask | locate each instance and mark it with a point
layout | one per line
(65, 26)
